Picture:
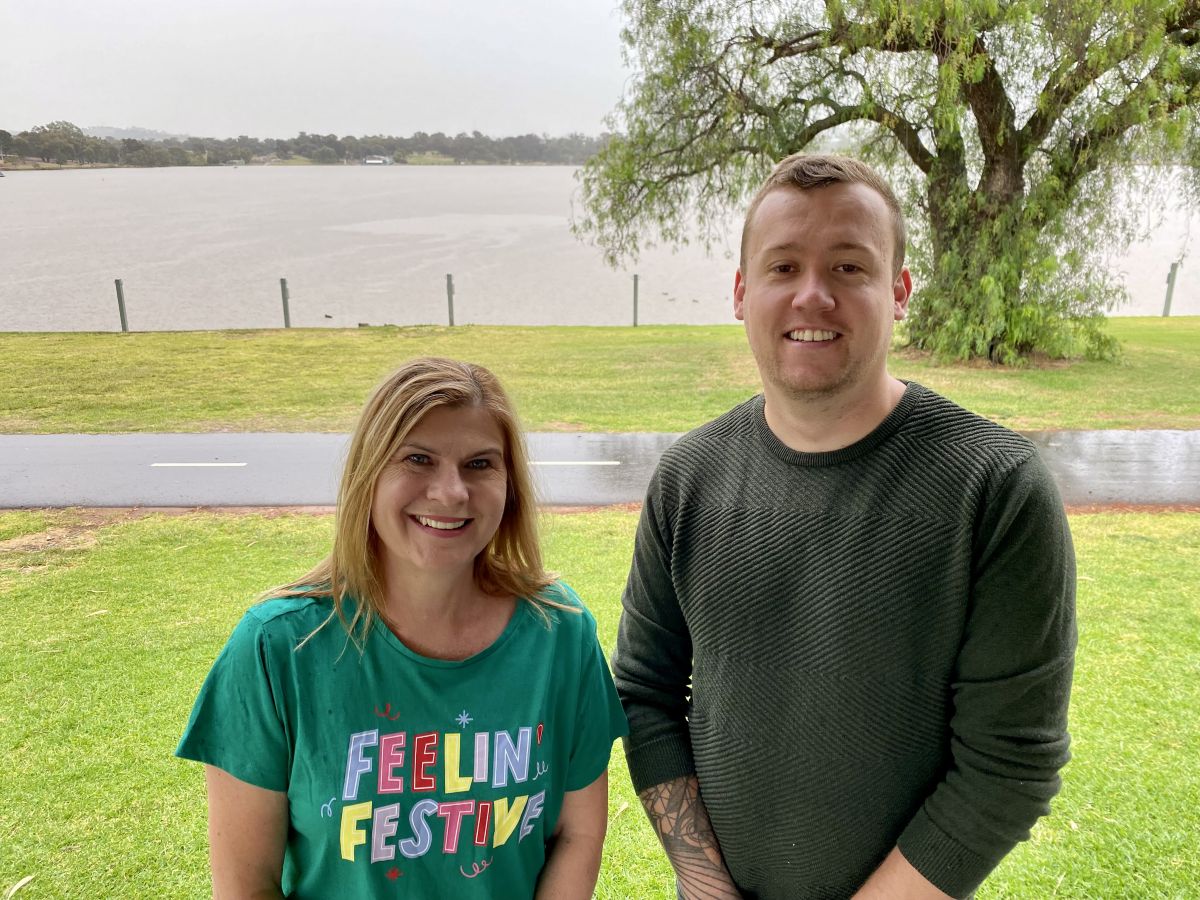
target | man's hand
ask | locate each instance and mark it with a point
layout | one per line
(681, 823)
(896, 879)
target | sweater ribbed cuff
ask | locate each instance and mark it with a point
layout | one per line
(951, 867)
(659, 761)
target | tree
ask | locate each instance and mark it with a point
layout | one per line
(67, 130)
(1009, 125)
(58, 150)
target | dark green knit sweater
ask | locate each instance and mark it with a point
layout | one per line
(854, 649)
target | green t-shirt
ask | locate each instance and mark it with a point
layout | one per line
(407, 775)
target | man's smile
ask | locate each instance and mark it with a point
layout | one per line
(812, 335)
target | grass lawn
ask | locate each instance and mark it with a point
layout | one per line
(429, 159)
(658, 378)
(111, 628)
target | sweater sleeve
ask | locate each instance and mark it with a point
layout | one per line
(1012, 682)
(652, 665)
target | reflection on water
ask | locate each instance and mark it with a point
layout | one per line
(206, 247)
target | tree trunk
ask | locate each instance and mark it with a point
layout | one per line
(972, 305)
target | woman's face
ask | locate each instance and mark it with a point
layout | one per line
(440, 499)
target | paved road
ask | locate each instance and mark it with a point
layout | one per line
(56, 470)
(1100, 467)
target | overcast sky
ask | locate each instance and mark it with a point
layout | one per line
(272, 68)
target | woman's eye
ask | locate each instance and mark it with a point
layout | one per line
(417, 459)
(479, 464)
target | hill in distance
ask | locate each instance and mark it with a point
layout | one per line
(133, 132)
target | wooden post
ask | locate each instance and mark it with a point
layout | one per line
(287, 318)
(450, 297)
(121, 304)
(635, 298)
(1170, 288)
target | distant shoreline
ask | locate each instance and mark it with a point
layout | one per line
(41, 166)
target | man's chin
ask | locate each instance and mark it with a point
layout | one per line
(812, 386)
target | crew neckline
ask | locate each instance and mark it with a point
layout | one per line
(515, 621)
(884, 430)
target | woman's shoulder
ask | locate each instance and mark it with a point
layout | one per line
(565, 609)
(287, 614)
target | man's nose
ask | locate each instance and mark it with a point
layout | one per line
(813, 292)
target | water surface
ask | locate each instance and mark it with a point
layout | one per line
(205, 248)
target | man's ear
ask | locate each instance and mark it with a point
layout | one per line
(901, 291)
(739, 294)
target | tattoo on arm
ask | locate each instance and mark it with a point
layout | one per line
(681, 823)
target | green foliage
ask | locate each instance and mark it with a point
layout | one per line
(1012, 129)
(325, 156)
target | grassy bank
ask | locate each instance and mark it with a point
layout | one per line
(117, 625)
(658, 378)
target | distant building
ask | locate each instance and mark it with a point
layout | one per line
(377, 161)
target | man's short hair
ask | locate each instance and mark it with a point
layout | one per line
(807, 171)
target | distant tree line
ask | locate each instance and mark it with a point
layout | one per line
(65, 143)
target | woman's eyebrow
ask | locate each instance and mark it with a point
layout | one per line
(486, 451)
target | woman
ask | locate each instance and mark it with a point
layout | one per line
(426, 713)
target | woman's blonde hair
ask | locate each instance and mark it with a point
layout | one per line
(511, 563)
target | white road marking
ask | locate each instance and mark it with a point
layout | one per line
(196, 465)
(575, 462)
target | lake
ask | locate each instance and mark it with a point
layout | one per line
(204, 248)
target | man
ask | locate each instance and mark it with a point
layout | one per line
(848, 631)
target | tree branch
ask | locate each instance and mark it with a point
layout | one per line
(1083, 154)
(1072, 77)
(800, 45)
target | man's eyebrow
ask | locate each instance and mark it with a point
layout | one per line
(839, 247)
(787, 245)
(853, 245)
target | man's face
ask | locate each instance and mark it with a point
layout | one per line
(818, 292)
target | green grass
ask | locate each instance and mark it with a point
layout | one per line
(17, 523)
(111, 629)
(429, 159)
(659, 378)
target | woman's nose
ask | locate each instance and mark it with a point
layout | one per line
(448, 486)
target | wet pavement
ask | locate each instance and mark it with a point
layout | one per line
(273, 469)
(1137, 467)
(1091, 467)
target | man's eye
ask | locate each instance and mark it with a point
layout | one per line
(783, 268)
(849, 267)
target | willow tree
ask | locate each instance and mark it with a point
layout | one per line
(1009, 125)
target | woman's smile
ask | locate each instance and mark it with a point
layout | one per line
(444, 525)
